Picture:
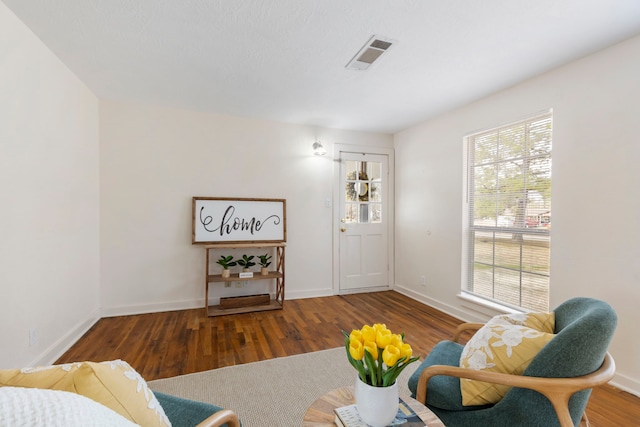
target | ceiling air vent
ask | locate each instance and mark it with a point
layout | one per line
(369, 53)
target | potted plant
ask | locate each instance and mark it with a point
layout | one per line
(246, 262)
(264, 263)
(226, 262)
(379, 356)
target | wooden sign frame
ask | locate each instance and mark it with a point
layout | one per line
(238, 220)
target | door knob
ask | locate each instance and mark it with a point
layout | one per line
(343, 229)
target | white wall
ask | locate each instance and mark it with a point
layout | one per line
(153, 160)
(596, 192)
(49, 251)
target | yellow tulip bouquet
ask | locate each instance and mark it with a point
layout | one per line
(377, 354)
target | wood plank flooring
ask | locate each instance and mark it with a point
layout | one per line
(161, 345)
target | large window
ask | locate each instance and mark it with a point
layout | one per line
(509, 213)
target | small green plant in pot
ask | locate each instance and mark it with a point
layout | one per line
(246, 262)
(264, 263)
(225, 262)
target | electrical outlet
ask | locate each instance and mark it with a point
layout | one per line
(423, 281)
(33, 337)
(227, 284)
(238, 284)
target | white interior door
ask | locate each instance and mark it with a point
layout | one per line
(364, 221)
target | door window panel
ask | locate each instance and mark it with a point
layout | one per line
(363, 186)
(351, 213)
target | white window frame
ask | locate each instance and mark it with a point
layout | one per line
(470, 229)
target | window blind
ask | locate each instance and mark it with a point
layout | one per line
(509, 213)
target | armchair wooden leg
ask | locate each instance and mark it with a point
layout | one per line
(562, 411)
(584, 422)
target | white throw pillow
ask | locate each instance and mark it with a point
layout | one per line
(20, 406)
(114, 384)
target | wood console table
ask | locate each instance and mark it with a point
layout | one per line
(277, 275)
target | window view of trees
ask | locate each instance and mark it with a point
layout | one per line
(510, 213)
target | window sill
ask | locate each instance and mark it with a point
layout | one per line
(486, 307)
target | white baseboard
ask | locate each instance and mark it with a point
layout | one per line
(465, 316)
(315, 293)
(365, 290)
(626, 383)
(128, 310)
(57, 349)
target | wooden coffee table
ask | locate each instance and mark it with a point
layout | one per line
(320, 413)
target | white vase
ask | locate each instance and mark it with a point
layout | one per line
(377, 406)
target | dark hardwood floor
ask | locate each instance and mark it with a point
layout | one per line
(162, 345)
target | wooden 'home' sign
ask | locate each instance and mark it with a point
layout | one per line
(223, 220)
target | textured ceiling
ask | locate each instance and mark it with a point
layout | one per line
(285, 60)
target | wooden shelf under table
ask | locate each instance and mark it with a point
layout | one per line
(236, 277)
(215, 310)
(277, 276)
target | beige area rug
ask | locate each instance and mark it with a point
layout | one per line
(274, 392)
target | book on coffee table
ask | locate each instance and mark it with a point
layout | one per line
(347, 416)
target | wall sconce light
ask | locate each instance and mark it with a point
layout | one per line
(318, 149)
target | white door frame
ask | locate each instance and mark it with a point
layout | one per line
(337, 194)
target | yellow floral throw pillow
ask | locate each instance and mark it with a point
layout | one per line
(114, 384)
(543, 322)
(505, 344)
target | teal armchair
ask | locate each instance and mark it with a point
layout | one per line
(190, 413)
(555, 387)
